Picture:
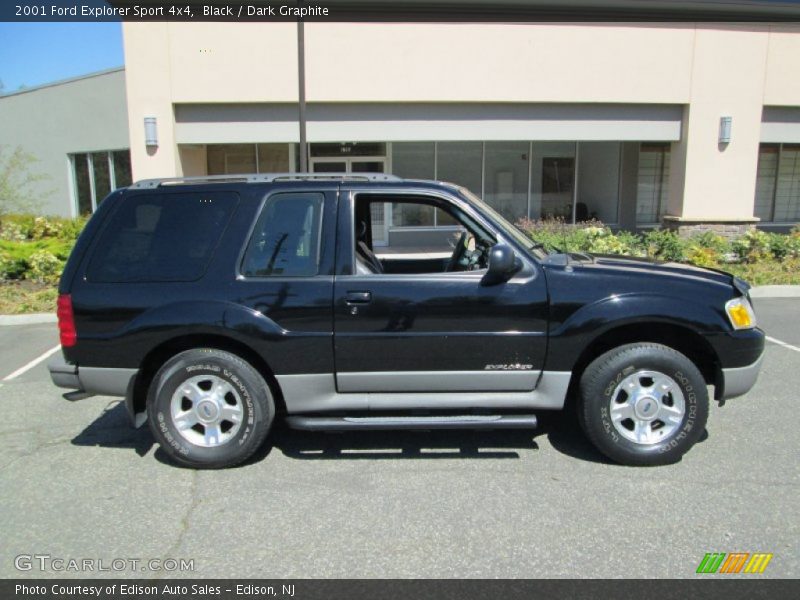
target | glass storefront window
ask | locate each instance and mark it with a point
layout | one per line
(460, 163)
(777, 195)
(95, 175)
(122, 168)
(230, 159)
(506, 178)
(652, 188)
(83, 191)
(787, 190)
(102, 175)
(414, 160)
(598, 182)
(552, 180)
(273, 158)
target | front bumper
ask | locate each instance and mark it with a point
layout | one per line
(739, 380)
(90, 381)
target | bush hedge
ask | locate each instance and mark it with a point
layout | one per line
(757, 256)
(36, 248)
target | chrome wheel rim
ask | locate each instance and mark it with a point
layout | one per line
(207, 411)
(647, 407)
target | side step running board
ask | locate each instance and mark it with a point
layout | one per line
(412, 422)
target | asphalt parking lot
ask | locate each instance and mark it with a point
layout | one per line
(77, 482)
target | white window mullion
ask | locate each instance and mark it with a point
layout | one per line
(530, 176)
(73, 185)
(92, 193)
(483, 169)
(575, 181)
(112, 175)
(435, 176)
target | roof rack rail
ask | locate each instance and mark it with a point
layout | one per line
(146, 184)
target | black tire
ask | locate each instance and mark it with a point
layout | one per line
(603, 382)
(248, 395)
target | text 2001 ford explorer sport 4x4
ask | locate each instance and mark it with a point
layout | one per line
(215, 305)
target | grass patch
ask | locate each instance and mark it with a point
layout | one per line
(21, 297)
(786, 272)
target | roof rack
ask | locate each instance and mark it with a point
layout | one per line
(145, 184)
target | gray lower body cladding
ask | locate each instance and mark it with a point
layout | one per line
(94, 381)
(739, 381)
(318, 394)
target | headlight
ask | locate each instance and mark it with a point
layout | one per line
(740, 313)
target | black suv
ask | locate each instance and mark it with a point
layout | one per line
(214, 305)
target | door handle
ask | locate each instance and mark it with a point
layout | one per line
(358, 297)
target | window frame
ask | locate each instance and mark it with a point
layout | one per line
(262, 205)
(86, 156)
(348, 205)
(775, 181)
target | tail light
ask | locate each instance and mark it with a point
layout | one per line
(66, 321)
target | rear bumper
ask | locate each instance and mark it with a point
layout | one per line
(740, 380)
(91, 381)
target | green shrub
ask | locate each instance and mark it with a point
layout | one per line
(703, 256)
(753, 246)
(13, 232)
(15, 228)
(665, 245)
(44, 267)
(44, 227)
(711, 240)
(71, 228)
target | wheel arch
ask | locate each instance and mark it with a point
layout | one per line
(678, 337)
(154, 359)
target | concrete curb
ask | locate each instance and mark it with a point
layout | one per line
(31, 319)
(762, 291)
(775, 291)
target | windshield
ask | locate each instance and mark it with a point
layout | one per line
(511, 230)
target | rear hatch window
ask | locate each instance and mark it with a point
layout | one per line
(161, 237)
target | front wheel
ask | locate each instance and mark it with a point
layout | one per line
(643, 404)
(209, 408)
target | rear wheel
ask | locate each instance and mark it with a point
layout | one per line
(643, 404)
(209, 408)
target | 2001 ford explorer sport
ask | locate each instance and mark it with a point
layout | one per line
(216, 305)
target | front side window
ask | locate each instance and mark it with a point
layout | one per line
(417, 248)
(286, 239)
(164, 237)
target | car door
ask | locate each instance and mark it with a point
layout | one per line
(285, 273)
(434, 332)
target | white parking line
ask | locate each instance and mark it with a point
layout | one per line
(32, 364)
(784, 344)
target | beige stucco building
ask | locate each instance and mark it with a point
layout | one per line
(615, 121)
(619, 122)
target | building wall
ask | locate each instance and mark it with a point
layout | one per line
(53, 121)
(240, 80)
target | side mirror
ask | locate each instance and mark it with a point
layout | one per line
(503, 263)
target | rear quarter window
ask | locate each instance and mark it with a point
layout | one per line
(286, 238)
(161, 237)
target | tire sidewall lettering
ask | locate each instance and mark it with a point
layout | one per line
(171, 384)
(674, 441)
